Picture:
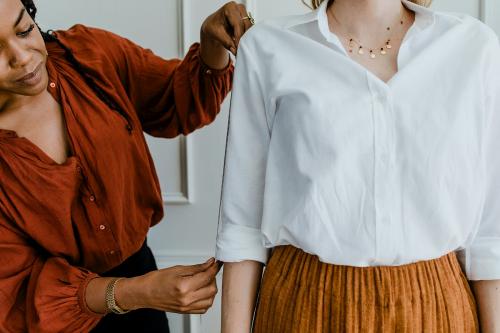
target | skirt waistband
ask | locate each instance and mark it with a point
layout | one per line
(301, 294)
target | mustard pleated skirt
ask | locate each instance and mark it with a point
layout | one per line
(300, 294)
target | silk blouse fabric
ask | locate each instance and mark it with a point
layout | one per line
(63, 224)
(325, 156)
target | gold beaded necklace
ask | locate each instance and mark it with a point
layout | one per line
(353, 42)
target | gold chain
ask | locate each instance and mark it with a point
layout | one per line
(352, 41)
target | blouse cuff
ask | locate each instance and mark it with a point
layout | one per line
(236, 243)
(482, 260)
(195, 55)
(82, 301)
(60, 300)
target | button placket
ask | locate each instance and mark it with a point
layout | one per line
(102, 231)
(382, 176)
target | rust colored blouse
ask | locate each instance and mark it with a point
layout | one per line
(63, 224)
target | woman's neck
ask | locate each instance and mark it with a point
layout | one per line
(15, 108)
(367, 17)
(10, 102)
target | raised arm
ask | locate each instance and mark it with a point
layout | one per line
(165, 97)
(169, 97)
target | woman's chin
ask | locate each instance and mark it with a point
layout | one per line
(35, 89)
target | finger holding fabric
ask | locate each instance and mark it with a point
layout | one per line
(179, 289)
(222, 31)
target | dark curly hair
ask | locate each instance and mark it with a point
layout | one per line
(30, 7)
(50, 37)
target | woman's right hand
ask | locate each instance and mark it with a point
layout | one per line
(179, 289)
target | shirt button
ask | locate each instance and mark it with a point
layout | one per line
(52, 85)
(102, 227)
(208, 71)
(92, 198)
(111, 252)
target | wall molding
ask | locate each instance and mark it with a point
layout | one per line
(185, 196)
(490, 12)
(184, 8)
(482, 10)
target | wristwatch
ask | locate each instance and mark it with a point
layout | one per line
(110, 298)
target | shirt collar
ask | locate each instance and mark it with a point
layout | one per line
(424, 18)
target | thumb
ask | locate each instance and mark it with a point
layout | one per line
(195, 269)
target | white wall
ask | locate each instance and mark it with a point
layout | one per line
(191, 170)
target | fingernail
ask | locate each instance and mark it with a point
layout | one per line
(233, 50)
(211, 260)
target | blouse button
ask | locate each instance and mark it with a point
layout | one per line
(52, 85)
(92, 198)
(102, 227)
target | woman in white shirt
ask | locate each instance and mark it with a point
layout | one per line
(363, 149)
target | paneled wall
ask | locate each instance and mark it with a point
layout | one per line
(190, 169)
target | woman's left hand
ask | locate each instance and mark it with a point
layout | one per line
(222, 31)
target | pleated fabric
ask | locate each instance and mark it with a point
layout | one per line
(300, 294)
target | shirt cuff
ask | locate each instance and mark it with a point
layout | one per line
(236, 243)
(482, 259)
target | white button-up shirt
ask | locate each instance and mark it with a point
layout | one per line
(325, 156)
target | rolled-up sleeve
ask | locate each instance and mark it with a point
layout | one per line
(240, 237)
(482, 257)
(38, 293)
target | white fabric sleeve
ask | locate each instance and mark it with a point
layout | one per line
(239, 235)
(482, 258)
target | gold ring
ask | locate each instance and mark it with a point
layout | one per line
(250, 18)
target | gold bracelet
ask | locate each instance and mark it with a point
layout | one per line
(110, 298)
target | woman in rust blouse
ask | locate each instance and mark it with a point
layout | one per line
(78, 188)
